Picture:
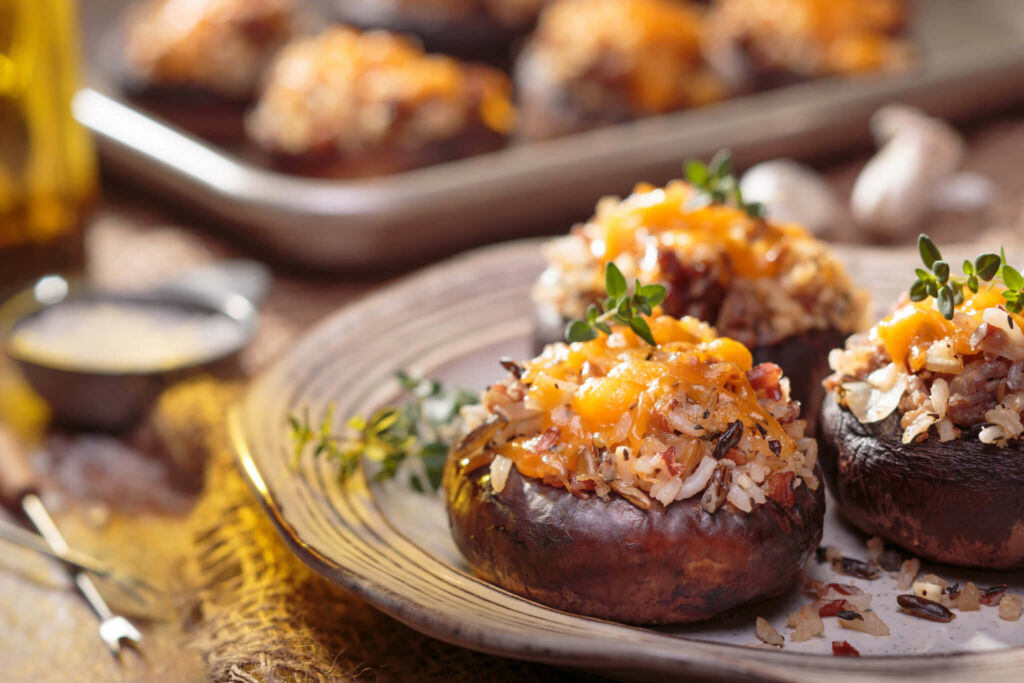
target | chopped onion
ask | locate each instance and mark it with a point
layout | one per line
(878, 397)
(1005, 418)
(500, 467)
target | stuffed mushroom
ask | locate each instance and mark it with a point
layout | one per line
(198, 63)
(921, 428)
(772, 286)
(592, 63)
(644, 484)
(757, 44)
(482, 28)
(346, 103)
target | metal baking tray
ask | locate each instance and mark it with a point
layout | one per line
(970, 61)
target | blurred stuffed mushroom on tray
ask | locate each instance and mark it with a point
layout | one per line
(275, 79)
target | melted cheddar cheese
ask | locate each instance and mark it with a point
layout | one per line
(816, 37)
(908, 332)
(615, 391)
(715, 232)
(354, 91)
(649, 49)
(757, 281)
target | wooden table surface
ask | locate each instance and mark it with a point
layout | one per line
(118, 499)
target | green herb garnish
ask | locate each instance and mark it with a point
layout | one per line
(421, 428)
(716, 184)
(620, 306)
(948, 292)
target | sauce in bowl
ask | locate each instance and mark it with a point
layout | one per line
(110, 336)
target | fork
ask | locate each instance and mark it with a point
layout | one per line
(138, 589)
(18, 489)
(113, 628)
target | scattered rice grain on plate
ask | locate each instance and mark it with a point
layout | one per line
(1010, 607)
(908, 572)
(869, 623)
(805, 623)
(969, 598)
(767, 633)
(931, 587)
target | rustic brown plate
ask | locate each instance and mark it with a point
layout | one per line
(392, 547)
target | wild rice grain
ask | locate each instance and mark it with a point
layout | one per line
(922, 608)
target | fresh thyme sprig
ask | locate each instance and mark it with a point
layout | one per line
(619, 306)
(716, 184)
(949, 291)
(421, 428)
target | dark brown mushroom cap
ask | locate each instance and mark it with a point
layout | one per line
(959, 502)
(608, 558)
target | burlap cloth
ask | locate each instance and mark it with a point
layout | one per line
(168, 502)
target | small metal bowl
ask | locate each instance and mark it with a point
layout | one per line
(113, 399)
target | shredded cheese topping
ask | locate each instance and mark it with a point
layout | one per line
(218, 45)
(615, 412)
(758, 281)
(355, 91)
(816, 37)
(942, 375)
(648, 48)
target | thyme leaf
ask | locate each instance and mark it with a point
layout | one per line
(619, 306)
(935, 280)
(420, 428)
(716, 184)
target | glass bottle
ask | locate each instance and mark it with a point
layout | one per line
(47, 162)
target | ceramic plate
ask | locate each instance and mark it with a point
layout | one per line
(392, 547)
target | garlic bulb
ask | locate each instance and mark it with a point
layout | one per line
(893, 191)
(791, 192)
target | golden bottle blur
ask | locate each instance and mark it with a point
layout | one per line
(47, 163)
